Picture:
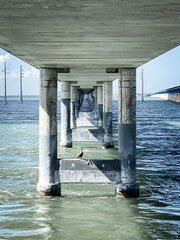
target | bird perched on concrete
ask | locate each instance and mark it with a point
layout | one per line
(80, 154)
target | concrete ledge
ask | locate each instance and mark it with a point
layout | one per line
(87, 135)
(84, 122)
(89, 171)
(86, 115)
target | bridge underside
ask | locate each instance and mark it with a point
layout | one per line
(89, 34)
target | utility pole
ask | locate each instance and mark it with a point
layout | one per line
(142, 79)
(21, 76)
(5, 72)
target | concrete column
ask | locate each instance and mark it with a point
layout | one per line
(100, 105)
(107, 115)
(66, 133)
(73, 99)
(80, 99)
(127, 134)
(95, 102)
(76, 103)
(48, 164)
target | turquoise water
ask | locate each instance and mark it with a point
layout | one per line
(91, 211)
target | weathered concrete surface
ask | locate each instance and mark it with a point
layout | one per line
(84, 122)
(87, 135)
(167, 96)
(89, 170)
(48, 184)
(100, 106)
(89, 34)
(127, 133)
(107, 115)
(86, 115)
(66, 135)
(73, 107)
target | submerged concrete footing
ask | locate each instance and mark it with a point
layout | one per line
(127, 190)
(49, 189)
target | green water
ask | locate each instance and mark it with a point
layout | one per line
(91, 211)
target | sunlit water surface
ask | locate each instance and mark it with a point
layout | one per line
(91, 211)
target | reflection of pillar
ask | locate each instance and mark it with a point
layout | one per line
(73, 99)
(127, 134)
(107, 115)
(48, 134)
(100, 105)
(66, 135)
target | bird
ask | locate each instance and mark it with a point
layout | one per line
(80, 154)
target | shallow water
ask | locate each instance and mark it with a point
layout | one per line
(91, 211)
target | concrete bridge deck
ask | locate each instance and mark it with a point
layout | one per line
(88, 36)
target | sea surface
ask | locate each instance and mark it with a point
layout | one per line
(90, 211)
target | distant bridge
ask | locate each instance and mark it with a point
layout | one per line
(172, 94)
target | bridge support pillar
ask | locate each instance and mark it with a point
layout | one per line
(66, 134)
(100, 105)
(73, 100)
(107, 115)
(48, 164)
(95, 102)
(127, 186)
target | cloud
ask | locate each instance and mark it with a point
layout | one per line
(3, 58)
(33, 72)
(13, 75)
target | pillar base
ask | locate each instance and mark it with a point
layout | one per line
(127, 190)
(108, 145)
(68, 145)
(51, 189)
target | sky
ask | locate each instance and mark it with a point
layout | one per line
(160, 73)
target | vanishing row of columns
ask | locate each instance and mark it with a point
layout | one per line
(49, 182)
